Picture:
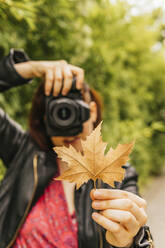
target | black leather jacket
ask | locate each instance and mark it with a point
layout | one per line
(29, 171)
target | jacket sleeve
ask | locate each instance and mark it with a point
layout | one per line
(9, 77)
(11, 134)
(11, 138)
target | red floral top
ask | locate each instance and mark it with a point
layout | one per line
(49, 224)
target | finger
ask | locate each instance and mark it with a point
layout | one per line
(79, 73)
(144, 217)
(110, 194)
(68, 77)
(122, 204)
(116, 234)
(106, 223)
(58, 81)
(127, 219)
(49, 76)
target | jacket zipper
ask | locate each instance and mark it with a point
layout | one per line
(100, 232)
(29, 204)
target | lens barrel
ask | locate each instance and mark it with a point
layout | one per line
(63, 112)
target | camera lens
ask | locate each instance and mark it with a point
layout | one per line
(64, 113)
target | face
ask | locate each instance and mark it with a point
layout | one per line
(87, 129)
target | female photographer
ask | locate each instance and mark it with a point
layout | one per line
(37, 211)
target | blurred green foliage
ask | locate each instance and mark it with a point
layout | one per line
(123, 56)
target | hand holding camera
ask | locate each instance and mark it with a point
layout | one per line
(58, 74)
(65, 109)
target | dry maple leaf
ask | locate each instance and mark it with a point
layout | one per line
(93, 164)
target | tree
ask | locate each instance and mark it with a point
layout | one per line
(117, 51)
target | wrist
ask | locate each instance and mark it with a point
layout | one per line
(24, 69)
(10, 74)
(18, 59)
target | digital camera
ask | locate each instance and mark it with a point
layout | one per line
(66, 114)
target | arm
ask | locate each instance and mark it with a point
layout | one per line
(11, 134)
(16, 69)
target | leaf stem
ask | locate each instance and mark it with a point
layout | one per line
(94, 184)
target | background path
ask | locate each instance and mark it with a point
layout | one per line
(155, 196)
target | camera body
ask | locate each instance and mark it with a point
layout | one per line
(65, 115)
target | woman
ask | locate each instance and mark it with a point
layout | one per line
(36, 211)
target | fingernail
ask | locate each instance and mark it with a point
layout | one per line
(95, 215)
